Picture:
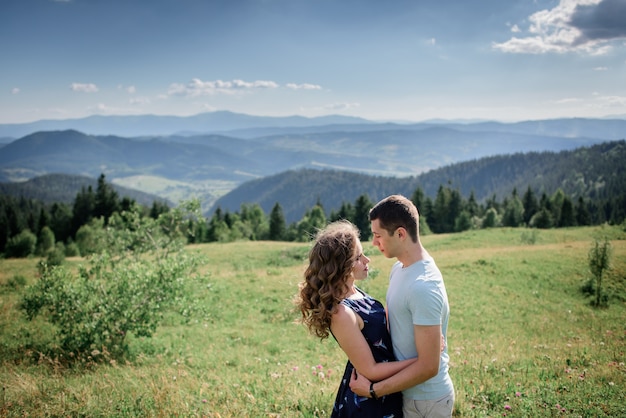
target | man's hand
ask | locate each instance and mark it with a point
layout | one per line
(360, 384)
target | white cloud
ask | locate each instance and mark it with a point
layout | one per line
(127, 89)
(197, 87)
(568, 100)
(600, 69)
(571, 26)
(612, 101)
(139, 101)
(515, 29)
(102, 108)
(597, 102)
(84, 87)
(304, 86)
(15, 90)
(341, 106)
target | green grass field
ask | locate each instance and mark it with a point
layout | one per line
(523, 340)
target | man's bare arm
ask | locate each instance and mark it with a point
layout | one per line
(428, 343)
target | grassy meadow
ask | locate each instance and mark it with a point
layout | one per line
(523, 340)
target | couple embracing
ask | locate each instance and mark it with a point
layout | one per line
(397, 360)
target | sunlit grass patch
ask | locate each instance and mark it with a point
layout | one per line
(523, 340)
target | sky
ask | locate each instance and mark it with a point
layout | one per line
(392, 60)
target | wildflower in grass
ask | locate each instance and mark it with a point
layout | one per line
(294, 368)
(518, 394)
(507, 407)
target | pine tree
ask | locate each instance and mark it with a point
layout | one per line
(362, 208)
(278, 226)
(106, 200)
(567, 217)
(583, 216)
(531, 206)
(84, 204)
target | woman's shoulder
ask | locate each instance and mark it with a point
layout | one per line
(345, 311)
(344, 315)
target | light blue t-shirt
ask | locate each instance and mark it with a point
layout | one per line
(417, 296)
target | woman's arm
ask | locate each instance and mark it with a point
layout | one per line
(346, 326)
(428, 343)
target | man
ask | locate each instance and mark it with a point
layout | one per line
(418, 311)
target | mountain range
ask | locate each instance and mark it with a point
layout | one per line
(211, 155)
(596, 173)
(153, 125)
(62, 188)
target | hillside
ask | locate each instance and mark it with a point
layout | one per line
(591, 172)
(237, 148)
(51, 188)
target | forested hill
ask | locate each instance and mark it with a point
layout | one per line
(62, 188)
(597, 172)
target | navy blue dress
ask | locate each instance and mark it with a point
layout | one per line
(347, 403)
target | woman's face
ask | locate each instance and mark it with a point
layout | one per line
(360, 267)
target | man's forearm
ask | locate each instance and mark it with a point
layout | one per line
(412, 375)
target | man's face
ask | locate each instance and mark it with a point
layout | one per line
(382, 240)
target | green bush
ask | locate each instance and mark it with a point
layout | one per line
(56, 255)
(90, 237)
(529, 237)
(139, 272)
(71, 249)
(45, 241)
(21, 245)
(599, 262)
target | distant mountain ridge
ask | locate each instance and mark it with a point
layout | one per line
(155, 125)
(589, 172)
(237, 148)
(63, 188)
(250, 126)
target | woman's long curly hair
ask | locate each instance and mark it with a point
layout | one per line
(325, 280)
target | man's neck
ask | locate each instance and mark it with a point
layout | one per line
(413, 254)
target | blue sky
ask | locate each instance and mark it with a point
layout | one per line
(409, 60)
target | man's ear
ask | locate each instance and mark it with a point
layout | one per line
(401, 233)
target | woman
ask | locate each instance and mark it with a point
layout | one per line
(330, 303)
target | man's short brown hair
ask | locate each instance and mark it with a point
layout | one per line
(396, 211)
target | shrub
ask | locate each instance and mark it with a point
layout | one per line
(45, 241)
(90, 237)
(125, 288)
(56, 255)
(21, 245)
(599, 262)
(529, 237)
(71, 249)
(491, 218)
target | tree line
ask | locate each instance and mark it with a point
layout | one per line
(29, 227)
